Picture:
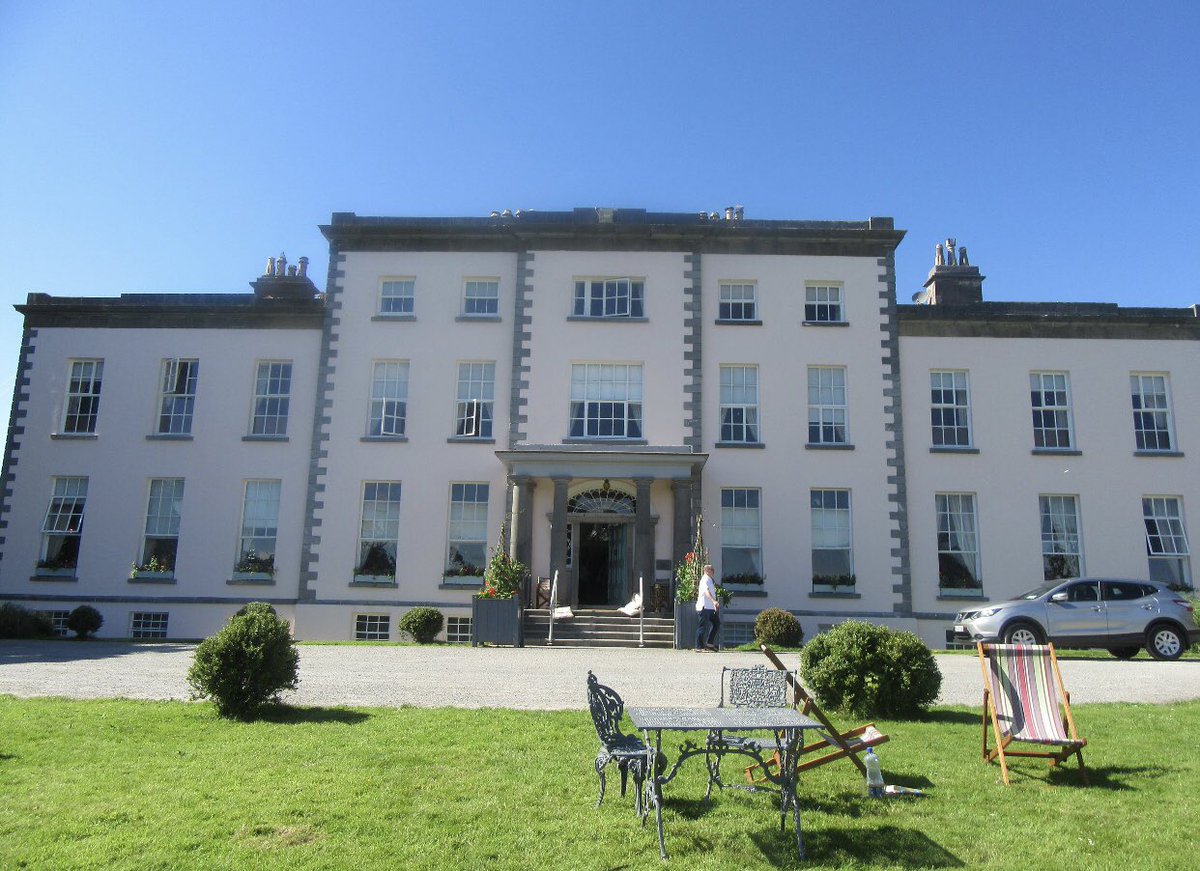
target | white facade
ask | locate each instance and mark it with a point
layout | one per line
(582, 387)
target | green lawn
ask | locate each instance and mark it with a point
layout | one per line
(119, 784)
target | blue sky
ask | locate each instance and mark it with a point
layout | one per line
(155, 147)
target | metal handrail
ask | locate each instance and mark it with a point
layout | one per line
(553, 605)
(641, 612)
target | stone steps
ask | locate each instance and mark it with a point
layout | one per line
(598, 628)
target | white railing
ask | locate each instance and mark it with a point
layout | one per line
(641, 612)
(553, 605)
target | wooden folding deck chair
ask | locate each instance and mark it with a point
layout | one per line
(834, 744)
(1022, 696)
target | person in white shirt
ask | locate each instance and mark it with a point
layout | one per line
(707, 608)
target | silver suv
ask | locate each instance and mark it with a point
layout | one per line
(1119, 615)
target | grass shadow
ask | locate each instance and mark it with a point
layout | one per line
(888, 846)
(287, 715)
(950, 717)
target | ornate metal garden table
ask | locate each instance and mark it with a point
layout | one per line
(785, 724)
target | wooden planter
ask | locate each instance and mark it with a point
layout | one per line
(685, 625)
(497, 621)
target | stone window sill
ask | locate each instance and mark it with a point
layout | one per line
(959, 595)
(602, 441)
(373, 581)
(607, 320)
(1158, 453)
(479, 319)
(74, 436)
(831, 594)
(169, 437)
(52, 575)
(741, 444)
(825, 323)
(152, 578)
(816, 446)
(384, 438)
(394, 318)
(261, 579)
(456, 583)
(952, 449)
(1056, 452)
(265, 438)
(470, 440)
(733, 322)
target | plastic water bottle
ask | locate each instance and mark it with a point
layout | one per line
(874, 774)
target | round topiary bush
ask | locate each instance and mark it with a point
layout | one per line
(868, 670)
(84, 621)
(778, 628)
(423, 624)
(247, 664)
(17, 621)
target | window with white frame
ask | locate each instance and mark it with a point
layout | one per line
(475, 399)
(741, 535)
(1050, 396)
(827, 405)
(832, 551)
(1166, 540)
(372, 627)
(739, 404)
(823, 304)
(950, 409)
(608, 298)
(272, 398)
(178, 396)
(458, 630)
(481, 296)
(738, 301)
(957, 541)
(148, 624)
(1062, 556)
(606, 400)
(58, 622)
(379, 531)
(164, 511)
(466, 553)
(83, 396)
(389, 398)
(1151, 412)
(396, 296)
(63, 524)
(260, 528)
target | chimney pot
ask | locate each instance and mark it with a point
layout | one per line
(303, 267)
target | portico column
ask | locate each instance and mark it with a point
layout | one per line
(522, 541)
(643, 535)
(681, 528)
(558, 541)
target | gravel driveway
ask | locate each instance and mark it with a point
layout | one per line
(532, 678)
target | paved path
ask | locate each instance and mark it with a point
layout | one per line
(533, 678)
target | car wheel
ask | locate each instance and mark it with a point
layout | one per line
(1124, 652)
(1022, 632)
(1165, 642)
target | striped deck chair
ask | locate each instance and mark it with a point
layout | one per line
(1022, 695)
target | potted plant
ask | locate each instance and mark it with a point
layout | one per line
(743, 580)
(252, 567)
(496, 614)
(378, 566)
(157, 568)
(687, 580)
(61, 565)
(833, 583)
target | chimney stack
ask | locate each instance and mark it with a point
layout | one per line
(953, 280)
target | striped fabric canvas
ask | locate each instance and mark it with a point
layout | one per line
(1025, 693)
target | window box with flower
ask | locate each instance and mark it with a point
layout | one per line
(377, 568)
(254, 569)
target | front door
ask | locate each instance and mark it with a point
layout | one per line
(602, 560)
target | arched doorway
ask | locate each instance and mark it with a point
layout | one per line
(600, 543)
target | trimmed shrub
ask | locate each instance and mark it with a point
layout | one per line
(423, 624)
(778, 628)
(17, 621)
(84, 621)
(246, 665)
(871, 671)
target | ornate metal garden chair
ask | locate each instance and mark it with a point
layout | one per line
(629, 752)
(1024, 697)
(754, 687)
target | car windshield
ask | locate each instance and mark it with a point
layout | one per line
(1036, 592)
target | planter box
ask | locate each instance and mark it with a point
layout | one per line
(686, 620)
(252, 578)
(497, 621)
